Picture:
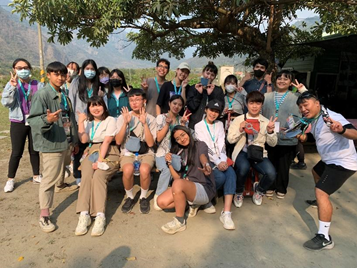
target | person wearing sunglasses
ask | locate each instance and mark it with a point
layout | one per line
(334, 137)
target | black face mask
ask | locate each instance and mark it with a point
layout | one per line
(258, 73)
(115, 82)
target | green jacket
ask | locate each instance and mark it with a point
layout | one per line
(49, 137)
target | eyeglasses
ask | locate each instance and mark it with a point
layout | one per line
(162, 66)
(22, 68)
(135, 100)
(181, 136)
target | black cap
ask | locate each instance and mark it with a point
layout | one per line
(215, 105)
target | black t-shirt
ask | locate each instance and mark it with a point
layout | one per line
(166, 92)
(196, 175)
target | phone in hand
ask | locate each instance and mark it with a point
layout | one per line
(204, 81)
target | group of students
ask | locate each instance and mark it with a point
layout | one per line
(201, 138)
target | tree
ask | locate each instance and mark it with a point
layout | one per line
(213, 27)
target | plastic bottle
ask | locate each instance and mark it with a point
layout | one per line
(136, 165)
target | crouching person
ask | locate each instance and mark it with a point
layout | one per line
(99, 163)
(193, 183)
(52, 124)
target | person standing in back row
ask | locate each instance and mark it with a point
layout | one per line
(152, 86)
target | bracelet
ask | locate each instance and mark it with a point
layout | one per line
(343, 131)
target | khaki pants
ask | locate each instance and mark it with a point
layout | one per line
(67, 162)
(92, 195)
(53, 166)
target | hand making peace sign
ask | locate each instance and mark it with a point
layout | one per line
(271, 125)
(13, 79)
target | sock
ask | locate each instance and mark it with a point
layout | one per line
(227, 212)
(11, 179)
(84, 213)
(100, 214)
(143, 193)
(324, 227)
(181, 219)
(129, 193)
(45, 212)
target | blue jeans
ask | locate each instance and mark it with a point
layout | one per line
(227, 179)
(266, 168)
(165, 175)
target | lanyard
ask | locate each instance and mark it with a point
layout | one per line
(179, 91)
(277, 105)
(90, 92)
(26, 95)
(63, 97)
(214, 130)
(93, 133)
(66, 88)
(230, 102)
(157, 85)
(308, 121)
(185, 172)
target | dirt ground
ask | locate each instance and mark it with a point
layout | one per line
(267, 236)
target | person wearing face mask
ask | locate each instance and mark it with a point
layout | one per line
(72, 69)
(104, 74)
(82, 88)
(117, 98)
(200, 94)
(17, 96)
(260, 81)
(178, 86)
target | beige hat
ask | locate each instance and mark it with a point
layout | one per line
(184, 65)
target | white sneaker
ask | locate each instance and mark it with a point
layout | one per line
(238, 200)
(210, 209)
(9, 186)
(37, 179)
(257, 197)
(83, 223)
(156, 207)
(99, 225)
(193, 211)
(227, 221)
(67, 172)
(46, 225)
(174, 226)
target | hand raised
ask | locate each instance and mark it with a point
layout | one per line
(199, 88)
(126, 115)
(13, 79)
(53, 117)
(210, 89)
(81, 117)
(271, 125)
(185, 118)
(300, 87)
(143, 114)
(335, 125)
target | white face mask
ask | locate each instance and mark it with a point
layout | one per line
(230, 88)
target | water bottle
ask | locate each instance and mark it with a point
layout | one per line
(136, 165)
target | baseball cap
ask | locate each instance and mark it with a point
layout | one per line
(184, 65)
(214, 105)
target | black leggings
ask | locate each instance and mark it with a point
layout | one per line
(18, 134)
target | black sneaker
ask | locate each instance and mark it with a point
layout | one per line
(299, 165)
(312, 203)
(128, 205)
(319, 242)
(144, 206)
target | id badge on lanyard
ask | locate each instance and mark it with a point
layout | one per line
(26, 121)
(66, 125)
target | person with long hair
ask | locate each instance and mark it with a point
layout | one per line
(100, 164)
(82, 88)
(17, 96)
(165, 123)
(104, 75)
(117, 98)
(211, 131)
(201, 93)
(193, 183)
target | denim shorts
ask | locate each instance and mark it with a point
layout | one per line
(201, 197)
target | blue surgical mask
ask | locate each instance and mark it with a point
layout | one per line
(104, 80)
(89, 74)
(23, 74)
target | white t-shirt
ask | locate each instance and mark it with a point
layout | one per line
(333, 147)
(165, 144)
(104, 129)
